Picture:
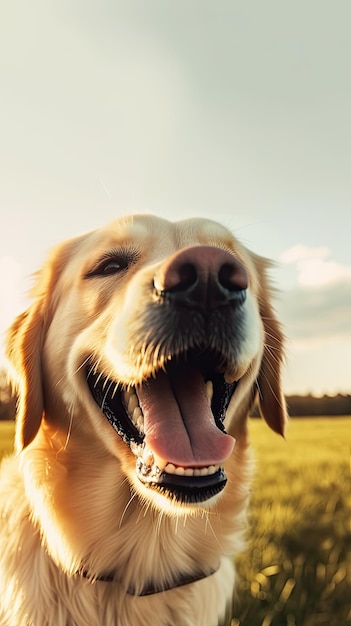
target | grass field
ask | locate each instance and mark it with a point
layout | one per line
(297, 568)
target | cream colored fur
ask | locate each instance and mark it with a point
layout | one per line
(69, 496)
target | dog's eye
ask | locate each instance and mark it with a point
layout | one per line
(111, 264)
(111, 267)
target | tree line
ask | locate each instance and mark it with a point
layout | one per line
(299, 406)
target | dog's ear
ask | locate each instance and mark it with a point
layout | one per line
(270, 395)
(25, 339)
(24, 349)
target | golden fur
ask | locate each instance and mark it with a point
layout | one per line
(82, 538)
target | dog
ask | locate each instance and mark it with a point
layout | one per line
(137, 365)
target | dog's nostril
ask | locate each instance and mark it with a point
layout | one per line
(233, 277)
(187, 277)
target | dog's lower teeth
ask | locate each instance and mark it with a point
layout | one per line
(189, 471)
(180, 471)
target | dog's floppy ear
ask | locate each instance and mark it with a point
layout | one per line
(24, 348)
(270, 395)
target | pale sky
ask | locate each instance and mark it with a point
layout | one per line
(238, 111)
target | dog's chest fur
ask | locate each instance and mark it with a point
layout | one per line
(175, 549)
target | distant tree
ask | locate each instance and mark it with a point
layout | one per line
(7, 398)
(310, 406)
(299, 406)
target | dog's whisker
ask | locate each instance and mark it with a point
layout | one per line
(69, 427)
(132, 497)
(70, 376)
(214, 534)
(82, 364)
(111, 383)
(159, 522)
(115, 389)
(272, 362)
(94, 366)
(274, 357)
(258, 389)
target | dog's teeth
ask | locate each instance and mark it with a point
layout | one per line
(138, 419)
(190, 471)
(140, 425)
(133, 403)
(180, 471)
(126, 396)
(170, 468)
(209, 390)
(204, 471)
(130, 400)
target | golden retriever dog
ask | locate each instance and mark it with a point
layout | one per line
(137, 365)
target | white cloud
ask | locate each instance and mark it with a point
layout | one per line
(316, 314)
(319, 314)
(314, 266)
(300, 252)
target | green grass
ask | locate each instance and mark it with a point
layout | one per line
(296, 570)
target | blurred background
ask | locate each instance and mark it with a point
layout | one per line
(237, 111)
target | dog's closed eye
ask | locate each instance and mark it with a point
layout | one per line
(113, 262)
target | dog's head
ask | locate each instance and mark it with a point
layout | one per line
(153, 338)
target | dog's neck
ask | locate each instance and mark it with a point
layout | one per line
(149, 590)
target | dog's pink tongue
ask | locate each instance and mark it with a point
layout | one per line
(178, 422)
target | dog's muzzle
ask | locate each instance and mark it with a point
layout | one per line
(173, 421)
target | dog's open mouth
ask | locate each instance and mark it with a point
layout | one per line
(173, 423)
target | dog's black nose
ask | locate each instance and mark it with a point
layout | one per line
(202, 277)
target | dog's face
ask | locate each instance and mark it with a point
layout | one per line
(151, 338)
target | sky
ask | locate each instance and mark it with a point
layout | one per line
(234, 110)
